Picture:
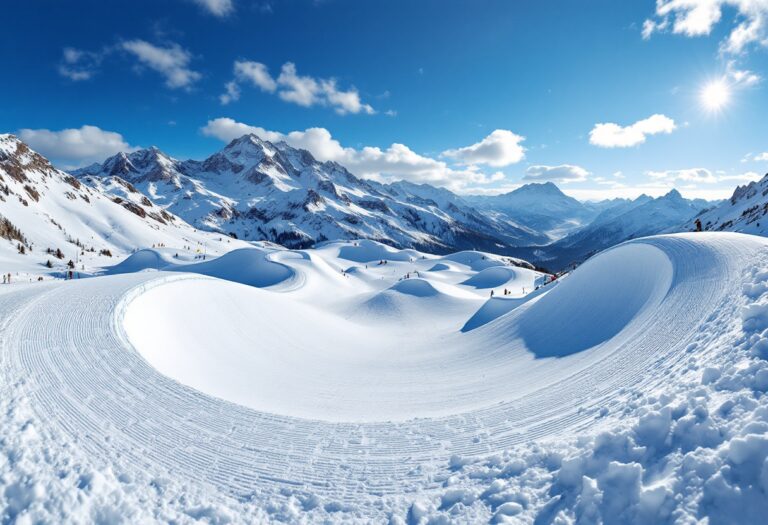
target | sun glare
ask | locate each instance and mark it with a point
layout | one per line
(715, 95)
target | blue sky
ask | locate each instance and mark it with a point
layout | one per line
(602, 97)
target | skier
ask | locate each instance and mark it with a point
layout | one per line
(3, 278)
(698, 225)
(491, 293)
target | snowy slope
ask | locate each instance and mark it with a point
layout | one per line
(258, 190)
(744, 212)
(339, 391)
(49, 209)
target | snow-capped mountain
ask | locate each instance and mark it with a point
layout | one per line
(626, 220)
(254, 189)
(542, 207)
(43, 209)
(744, 212)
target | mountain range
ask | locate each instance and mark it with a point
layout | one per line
(50, 216)
(621, 221)
(744, 212)
(254, 190)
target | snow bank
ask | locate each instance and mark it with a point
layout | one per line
(663, 420)
(139, 261)
(609, 294)
(477, 261)
(416, 287)
(251, 266)
(492, 277)
(440, 267)
(498, 306)
(364, 251)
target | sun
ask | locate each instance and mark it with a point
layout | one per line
(715, 95)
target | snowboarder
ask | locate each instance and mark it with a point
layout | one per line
(491, 293)
(698, 225)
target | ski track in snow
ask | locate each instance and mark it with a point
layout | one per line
(66, 352)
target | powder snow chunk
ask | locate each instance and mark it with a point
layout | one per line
(418, 512)
(751, 449)
(755, 316)
(454, 496)
(761, 380)
(509, 508)
(620, 484)
(653, 428)
(710, 375)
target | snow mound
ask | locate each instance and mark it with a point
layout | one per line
(413, 302)
(492, 277)
(440, 267)
(251, 266)
(611, 293)
(497, 306)
(477, 261)
(365, 251)
(416, 287)
(139, 261)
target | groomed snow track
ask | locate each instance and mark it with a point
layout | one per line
(65, 343)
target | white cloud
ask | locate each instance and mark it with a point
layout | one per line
(301, 90)
(255, 73)
(396, 162)
(216, 7)
(610, 135)
(563, 174)
(344, 101)
(291, 87)
(70, 148)
(231, 93)
(77, 64)
(741, 77)
(700, 181)
(691, 175)
(500, 148)
(749, 176)
(761, 157)
(172, 62)
(699, 17)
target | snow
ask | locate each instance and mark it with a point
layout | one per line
(271, 385)
(259, 190)
(53, 211)
(251, 266)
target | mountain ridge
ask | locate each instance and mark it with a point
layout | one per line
(52, 216)
(254, 189)
(257, 189)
